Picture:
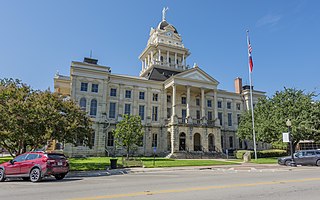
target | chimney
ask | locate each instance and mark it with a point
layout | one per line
(238, 85)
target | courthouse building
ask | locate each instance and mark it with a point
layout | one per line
(182, 108)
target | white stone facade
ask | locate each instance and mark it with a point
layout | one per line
(180, 107)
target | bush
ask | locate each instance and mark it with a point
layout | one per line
(262, 154)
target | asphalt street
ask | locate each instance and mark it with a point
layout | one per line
(242, 182)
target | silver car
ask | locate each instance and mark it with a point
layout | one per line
(303, 157)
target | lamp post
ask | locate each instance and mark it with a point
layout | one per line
(288, 123)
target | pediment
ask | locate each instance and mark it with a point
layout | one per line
(169, 28)
(198, 75)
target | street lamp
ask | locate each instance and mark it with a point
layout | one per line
(288, 123)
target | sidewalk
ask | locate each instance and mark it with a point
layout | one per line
(240, 167)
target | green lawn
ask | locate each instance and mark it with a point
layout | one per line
(5, 159)
(273, 160)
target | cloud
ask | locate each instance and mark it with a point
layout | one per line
(269, 20)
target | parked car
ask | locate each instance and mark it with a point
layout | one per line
(34, 166)
(303, 157)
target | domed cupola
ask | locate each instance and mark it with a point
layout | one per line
(163, 24)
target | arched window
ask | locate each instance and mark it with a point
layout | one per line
(93, 107)
(83, 103)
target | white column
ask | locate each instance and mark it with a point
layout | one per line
(145, 62)
(203, 114)
(159, 56)
(148, 60)
(183, 61)
(215, 105)
(175, 60)
(167, 58)
(174, 100)
(188, 101)
(165, 105)
(151, 57)
(142, 65)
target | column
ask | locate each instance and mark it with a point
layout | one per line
(203, 114)
(145, 63)
(142, 66)
(188, 101)
(175, 60)
(215, 98)
(183, 61)
(151, 57)
(159, 56)
(168, 58)
(165, 105)
(148, 60)
(173, 100)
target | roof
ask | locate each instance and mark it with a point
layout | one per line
(158, 74)
(164, 24)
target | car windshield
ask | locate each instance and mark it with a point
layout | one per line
(56, 156)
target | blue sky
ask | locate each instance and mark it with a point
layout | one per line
(40, 37)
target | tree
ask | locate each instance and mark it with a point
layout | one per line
(128, 132)
(28, 118)
(272, 113)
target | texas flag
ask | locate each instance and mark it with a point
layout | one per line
(249, 53)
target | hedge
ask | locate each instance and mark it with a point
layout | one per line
(262, 154)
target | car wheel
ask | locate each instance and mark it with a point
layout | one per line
(59, 176)
(35, 175)
(26, 178)
(288, 163)
(318, 163)
(2, 176)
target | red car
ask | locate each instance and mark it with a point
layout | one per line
(34, 166)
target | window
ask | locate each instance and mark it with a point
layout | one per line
(238, 118)
(93, 107)
(168, 98)
(197, 101)
(94, 87)
(154, 113)
(141, 95)
(229, 119)
(84, 87)
(155, 97)
(169, 57)
(127, 109)
(20, 158)
(141, 111)
(184, 115)
(198, 114)
(110, 141)
(209, 103)
(220, 117)
(112, 110)
(128, 94)
(210, 115)
(238, 105)
(222, 143)
(32, 156)
(228, 105)
(168, 112)
(183, 100)
(231, 142)
(219, 104)
(83, 103)
(161, 58)
(154, 140)
(113, 92)
(93, 136)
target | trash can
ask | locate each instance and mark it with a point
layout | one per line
(113, 163)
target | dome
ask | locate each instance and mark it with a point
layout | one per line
(164, 24)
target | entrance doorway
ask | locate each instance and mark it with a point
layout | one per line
(182, 141)
(211, 142)
(197, 142)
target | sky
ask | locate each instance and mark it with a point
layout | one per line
(39, 38)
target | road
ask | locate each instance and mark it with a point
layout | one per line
(205, 184)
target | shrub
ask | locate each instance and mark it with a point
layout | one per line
(262, 154)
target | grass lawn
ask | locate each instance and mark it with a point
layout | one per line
(273, 160)
(5, 159)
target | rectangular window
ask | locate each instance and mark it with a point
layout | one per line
(110, 142)
(168, 112)
(231, 142)
(141, 111)
(229, 119)
(198, 114)
(183, 100)
(94, 88)
(238, 118)
(209, 103)
(169, 98)
(154, 113)
(128, 94)
(141, 95)
(127, 109)
(113, 92)
(197, 102)
(220, 117)
(210, 115)
(238, 106)
(112, 110)
(84, 87)
(228, 105)
(154, 140)
(184, 114)
(219, 104)
(155, 97)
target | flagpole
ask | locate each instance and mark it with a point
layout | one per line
(251, 100)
